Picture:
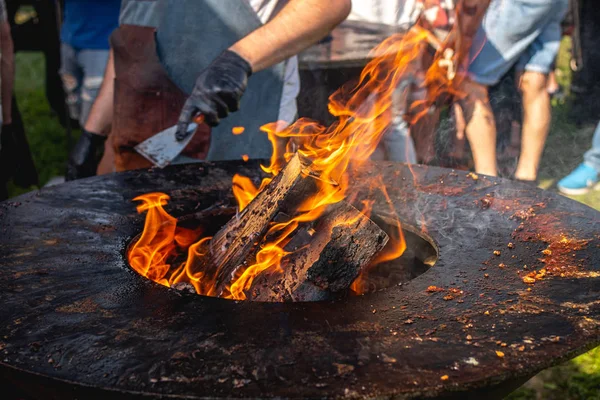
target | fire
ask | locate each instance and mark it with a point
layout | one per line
(161, 239)
(238, 130)
(245, 191)
(364, 112)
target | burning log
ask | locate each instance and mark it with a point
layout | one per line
(319, 257)
(326, 256)
(231, 246)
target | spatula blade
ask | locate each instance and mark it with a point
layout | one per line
(162, 148)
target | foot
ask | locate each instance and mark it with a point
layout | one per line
(580, 181)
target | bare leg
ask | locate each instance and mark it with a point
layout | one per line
(537, 115)
(480, 128)
(457, 150)
(552, 82)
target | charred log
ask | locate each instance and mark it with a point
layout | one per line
(326, 256)
(239, 238)
(323, 257)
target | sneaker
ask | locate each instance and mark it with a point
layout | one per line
(580, 181)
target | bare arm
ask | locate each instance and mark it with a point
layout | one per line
(100, 119)
(299, 24)
(7, 71)
(469, 14)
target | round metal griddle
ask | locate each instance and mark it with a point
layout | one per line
(76, 321)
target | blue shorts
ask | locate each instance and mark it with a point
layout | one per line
(522, 32)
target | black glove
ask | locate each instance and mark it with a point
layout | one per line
(217, 92)
(85, 156)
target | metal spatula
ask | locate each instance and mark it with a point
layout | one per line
(162, 148)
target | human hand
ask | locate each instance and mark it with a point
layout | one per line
(217, 92)
(84, 158)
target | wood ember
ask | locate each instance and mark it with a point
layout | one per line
(184, 287)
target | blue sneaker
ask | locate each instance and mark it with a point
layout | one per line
(580, 181)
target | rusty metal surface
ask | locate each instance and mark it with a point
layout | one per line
(76, 321)
(349, 46)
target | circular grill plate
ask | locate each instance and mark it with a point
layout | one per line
(78, 322)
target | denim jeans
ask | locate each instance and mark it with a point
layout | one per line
(82, 72)
(592, 156)
(398, 144)
(522, 32)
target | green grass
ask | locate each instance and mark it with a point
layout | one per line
(47, 138)
(578, 379)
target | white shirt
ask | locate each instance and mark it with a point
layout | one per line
(288, 109)
(399, 13)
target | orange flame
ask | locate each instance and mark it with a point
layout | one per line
(364, 112)
(160, 240)
(244, 190)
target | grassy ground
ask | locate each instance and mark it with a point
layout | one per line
(578, 379)
(47, 138)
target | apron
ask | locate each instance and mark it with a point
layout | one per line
(159, 49)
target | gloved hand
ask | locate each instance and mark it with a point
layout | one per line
(85, 156)
(217, 92)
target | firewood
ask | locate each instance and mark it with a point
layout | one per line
(233, 244)
(327, 255)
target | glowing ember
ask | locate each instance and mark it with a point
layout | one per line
(364, 115)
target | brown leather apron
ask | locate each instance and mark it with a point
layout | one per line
(146, 101)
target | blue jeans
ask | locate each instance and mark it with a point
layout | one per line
(82, 72)
(522, 32)
(592, 156)
(398, 144)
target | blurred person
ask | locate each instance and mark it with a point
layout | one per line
(7, 71)
(401, 14)
(437, 15)
(35, 27)
(84, 51)
(16, 163)
(528, 34)
(397, 144)
(587, 175)
(156, 54)
(570, 26)
(6, 82)
(585, 84)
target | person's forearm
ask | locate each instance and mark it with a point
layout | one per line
(100, 119)
(299, 25)
(470, 14)
(7, 71)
